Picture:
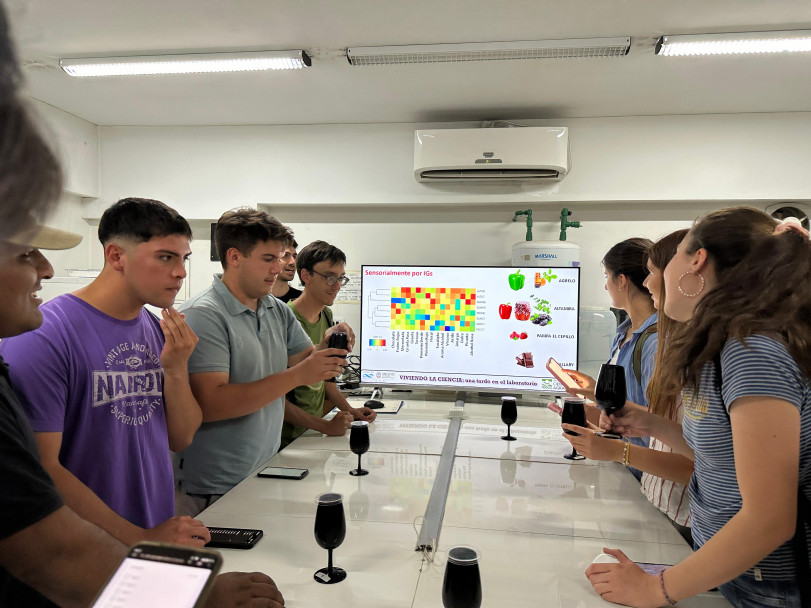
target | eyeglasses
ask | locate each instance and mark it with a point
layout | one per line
(331, 279)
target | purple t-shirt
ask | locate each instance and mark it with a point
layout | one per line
(99, 382)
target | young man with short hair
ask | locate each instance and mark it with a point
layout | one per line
(104, 383)
(281, 287)
(321, 269)
(251, 352)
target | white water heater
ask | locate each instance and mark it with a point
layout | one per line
(545, 253)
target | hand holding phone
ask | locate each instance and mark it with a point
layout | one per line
(557, 371)
(158, 575)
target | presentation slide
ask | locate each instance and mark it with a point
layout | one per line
(465, 327)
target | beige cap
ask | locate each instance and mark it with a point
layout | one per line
(44, 237)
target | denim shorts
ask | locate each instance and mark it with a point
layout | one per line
(746, 592)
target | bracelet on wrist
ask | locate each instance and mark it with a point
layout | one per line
(626, 453)
(669, 599)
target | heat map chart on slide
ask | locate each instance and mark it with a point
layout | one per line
(433, 308)
(487, 327)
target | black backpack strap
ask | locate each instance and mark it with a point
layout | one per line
(636, 362)
(328, 314)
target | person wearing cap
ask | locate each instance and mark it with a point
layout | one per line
(42, 542)
(104, 383)
(48, 554)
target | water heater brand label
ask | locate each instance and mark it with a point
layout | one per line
(545, 256)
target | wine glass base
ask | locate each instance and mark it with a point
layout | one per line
(325, 577)
(358, 472)
(508, 438)
(574, 457)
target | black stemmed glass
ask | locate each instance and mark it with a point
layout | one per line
(610, 392)
(574, 412)
(330, 529)
(359, 443)
(509, 414)
(462, 586)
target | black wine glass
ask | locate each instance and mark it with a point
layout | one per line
(330, 529)
(610, 392)
(509, 414)
(359, 443)
(338, 339)
(574, 412)
(462, 586)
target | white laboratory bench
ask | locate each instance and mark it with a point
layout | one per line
(536, 519)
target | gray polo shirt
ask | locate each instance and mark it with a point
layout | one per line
(249, 345)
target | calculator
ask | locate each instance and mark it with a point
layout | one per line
(233, 538)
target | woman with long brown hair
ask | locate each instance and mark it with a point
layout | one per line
(664, 475)
(741, 361)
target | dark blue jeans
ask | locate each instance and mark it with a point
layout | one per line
(746, 592)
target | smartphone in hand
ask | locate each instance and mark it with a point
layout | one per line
(161, 575)
(557, 371)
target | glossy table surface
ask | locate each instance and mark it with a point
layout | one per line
(536, 519)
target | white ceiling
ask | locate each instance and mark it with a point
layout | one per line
(332, 91)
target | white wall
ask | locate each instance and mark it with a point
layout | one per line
(353, 185)
(204, 170)
(77, 144)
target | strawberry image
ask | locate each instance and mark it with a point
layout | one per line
(523, 335)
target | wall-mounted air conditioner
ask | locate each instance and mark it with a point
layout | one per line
(491, 154)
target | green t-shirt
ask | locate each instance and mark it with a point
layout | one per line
(310, 397)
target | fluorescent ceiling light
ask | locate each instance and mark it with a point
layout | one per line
(489, 51)
(186, 64)
(733, 44)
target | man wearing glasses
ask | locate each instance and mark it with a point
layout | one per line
(321, 270)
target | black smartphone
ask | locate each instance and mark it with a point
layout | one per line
(161, 575)
(233, 538)
(283, 473)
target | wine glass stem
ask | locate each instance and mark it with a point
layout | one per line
(329, 561)
(574, 452)
(359, 463)
(508, 430)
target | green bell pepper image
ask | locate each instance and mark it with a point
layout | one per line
(516, 280)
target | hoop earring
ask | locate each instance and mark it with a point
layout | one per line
(690, 295)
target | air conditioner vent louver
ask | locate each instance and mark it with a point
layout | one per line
(470, 175)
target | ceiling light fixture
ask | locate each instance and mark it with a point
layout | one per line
(489, 51)
(732, 44)
(186, 64)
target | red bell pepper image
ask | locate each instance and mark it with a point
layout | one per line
(505, 310)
